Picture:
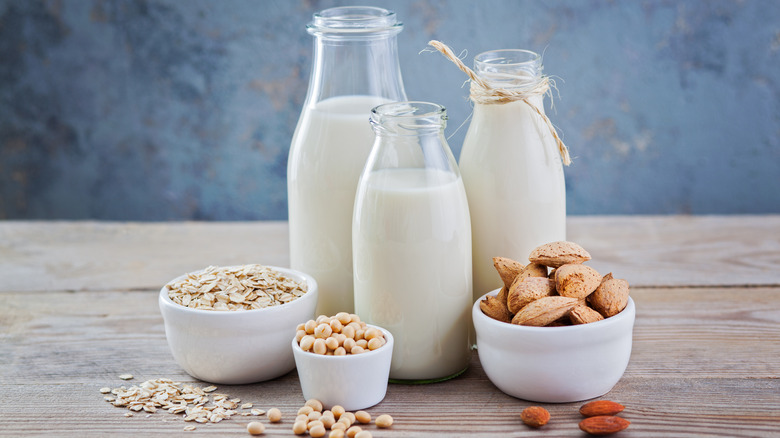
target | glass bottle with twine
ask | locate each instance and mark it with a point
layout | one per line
(511, 161)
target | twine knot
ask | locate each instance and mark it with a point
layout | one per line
(482, 92)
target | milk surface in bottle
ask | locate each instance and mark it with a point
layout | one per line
(355, 68)
(412, 244)
(511, 169)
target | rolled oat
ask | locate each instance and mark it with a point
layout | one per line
(244, 287)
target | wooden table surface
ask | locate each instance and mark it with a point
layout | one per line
(78, 307)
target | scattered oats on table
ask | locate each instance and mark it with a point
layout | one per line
(194, 403)
(244, 287)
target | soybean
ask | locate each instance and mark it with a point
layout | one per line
(337, 411)
(307, 342)
(352, 431)
(317, 431)
(312, 424)
(320, 347)
(274, 415)
(349, 416)
(363, 417)
(255, 428)
(314, 404)
(299, 428)
(383, 421)
(339, 425)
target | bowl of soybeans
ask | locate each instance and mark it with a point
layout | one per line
(342, 361)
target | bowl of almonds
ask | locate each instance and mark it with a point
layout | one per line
(557, 331)
(232, 325)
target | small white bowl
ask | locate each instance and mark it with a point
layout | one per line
(555, 364)
(354, 381)
(237, 347)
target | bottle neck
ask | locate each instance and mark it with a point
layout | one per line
(410, 135)
(367, 66)
(509, 69)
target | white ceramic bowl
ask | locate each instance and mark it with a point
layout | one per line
(237, 347)
(554, 364)
(355, 382)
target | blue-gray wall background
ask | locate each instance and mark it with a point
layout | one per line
(167, 110)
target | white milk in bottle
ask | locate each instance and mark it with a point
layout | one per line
(412, 244)
(511, 167)
(336, 139)
(355, 68)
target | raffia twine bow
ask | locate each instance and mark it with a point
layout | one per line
(482, 92)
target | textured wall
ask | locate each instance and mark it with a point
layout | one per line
(157, 110)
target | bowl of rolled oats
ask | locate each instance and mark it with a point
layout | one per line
(232, 325)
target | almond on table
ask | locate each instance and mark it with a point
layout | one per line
(601, 407)
(603, 425)
(535, 416)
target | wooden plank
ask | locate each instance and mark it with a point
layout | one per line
(37, 256)
(661, 251)
(703, 360)
(656, 408)
(670, 251)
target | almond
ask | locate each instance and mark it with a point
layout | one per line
(502, 294)
(533, 270)
(535, 416)
(507, 269)
(559, 253)
(610, 298)
(603, 425)
(494, 308)
(530, 289)
(582, 314)
(544, 311)
(576, 281)
(601, 407)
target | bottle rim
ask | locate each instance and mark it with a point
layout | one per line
(509, 67)
(354, 20)
(406, 118)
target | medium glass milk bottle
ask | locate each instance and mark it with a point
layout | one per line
(355, 68)
(511, 167)
(411, 238)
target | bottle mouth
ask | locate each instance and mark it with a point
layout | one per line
(509, 67)
(354, 20)
(408, 118)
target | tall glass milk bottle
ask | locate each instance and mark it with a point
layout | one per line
(411, 239)
(511, 167)
(355, 68)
